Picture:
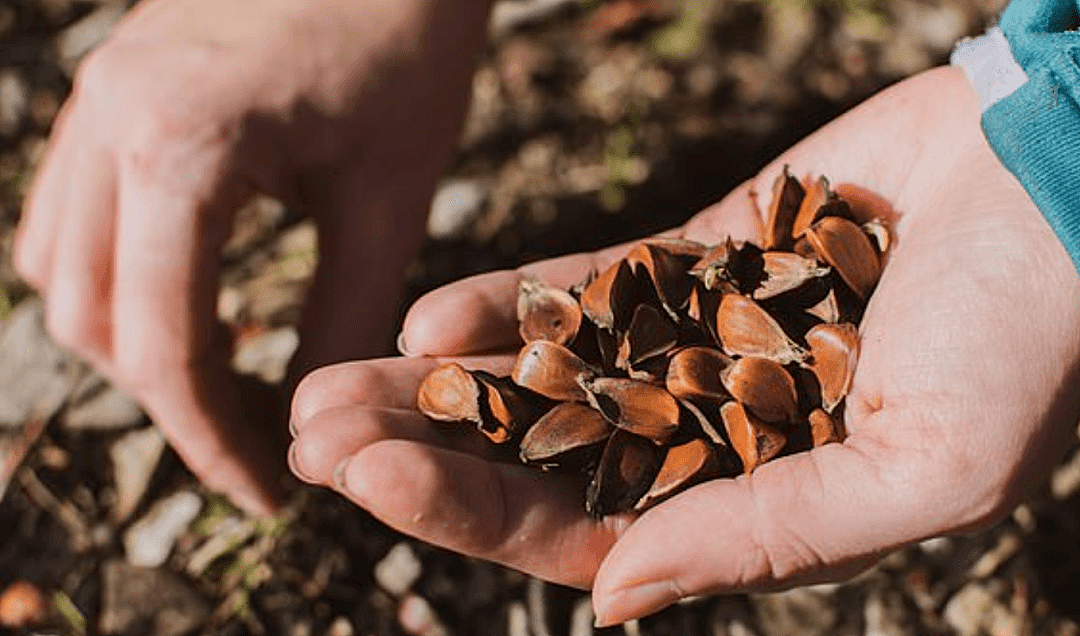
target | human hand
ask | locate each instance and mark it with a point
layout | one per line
(347, 109)
(965, 388)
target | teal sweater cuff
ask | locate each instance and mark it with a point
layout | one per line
(1035, 130)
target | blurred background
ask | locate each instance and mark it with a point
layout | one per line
(592, 122)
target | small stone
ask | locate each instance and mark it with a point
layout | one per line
(1065, 480)
(582, 618)
(968, 609)
(517, 619)
(150, 601)
(267, 354)
(22, 605)
(398, 570)
(37, 376)
(418, 618)
(134, 456)
(341, 627)
(14, 101)
(456, 205)
(149, 540)
(508, 15)
(74, 42)
(1008, 545)
(97, 405)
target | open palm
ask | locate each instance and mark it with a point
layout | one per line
(964, 386)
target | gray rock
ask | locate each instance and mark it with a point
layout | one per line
(149, 601)
(148, 542)
(885, 614)
(968, 610)
(14, 101)
(99, 406)
(74, 42)
(455, 206)
(37, 376)
(398, 570)
(134, 458)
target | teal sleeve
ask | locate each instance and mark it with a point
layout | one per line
(1035, 131)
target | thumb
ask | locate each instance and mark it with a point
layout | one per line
(366, 240)
(806, 518)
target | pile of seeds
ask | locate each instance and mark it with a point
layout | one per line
(682, 362)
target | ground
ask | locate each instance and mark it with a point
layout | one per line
(592, 122)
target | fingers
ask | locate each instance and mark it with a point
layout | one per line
(504, 513)
(167, 346)
(480, 313)
(806, 518)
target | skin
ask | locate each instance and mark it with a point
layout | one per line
(963, 395)
(184, 113)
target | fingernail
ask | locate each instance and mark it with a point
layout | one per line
(337, 478)
(294, 464)
(635, 602)
(402, 348)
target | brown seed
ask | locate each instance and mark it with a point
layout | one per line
(702, 308)
(450, 394)
(745, 329)
(683, 466)
(608, 297)
(787, 195)
(504, 409)
(694, 372)
(764, 386)
(834, 350)
(786, 271)
(847, 248)
(650, 334)
(638, 407)
(567, 427)
(817, 194)
(547, 313)
(551, 370)
(687, 250)
(803, 248)
(22, 605)
(755, 441)
(627, 469)
(828, 309)
(824, 428)
(665, 270)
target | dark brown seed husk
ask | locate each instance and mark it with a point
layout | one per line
(879, 235)
(651, 370)
(764, 386)
(787, 195)
(786, 272)
(506, 409)
(650, 334)
(755, 441)
(746, 329)
(845, 247)
(607, 299)
(547, 313)
(694, 372)
(825, 428)
(817, 194)
(638, 407)
(684, 465)
(626, 470)
(666, 271)
(450, 394)
(568, 427)
(703, 418)
(834, 350)
(552, 371)
(827, 310)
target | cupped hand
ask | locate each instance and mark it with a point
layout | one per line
(348, 110)
(964, 390)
